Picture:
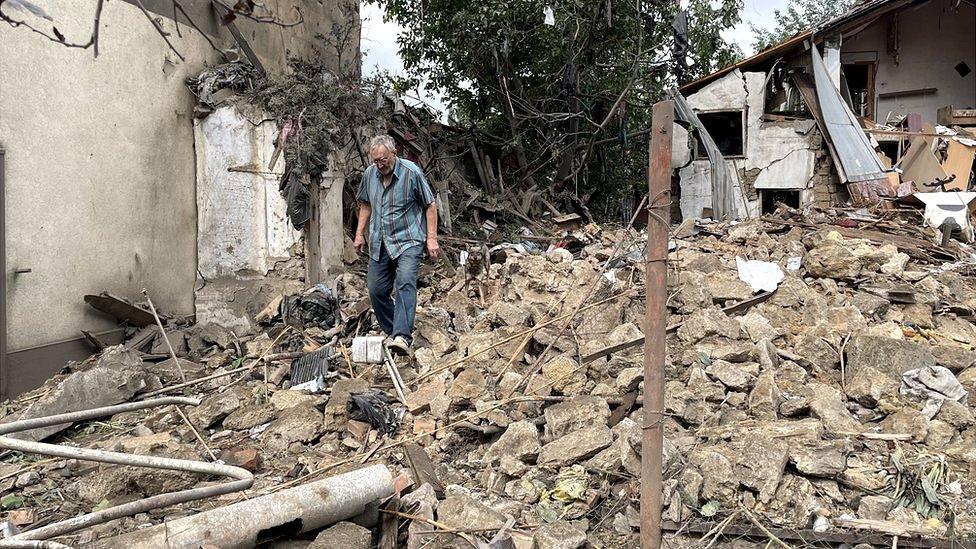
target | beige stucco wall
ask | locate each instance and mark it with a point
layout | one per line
(328, 24)
(100, 180)
(934, 37)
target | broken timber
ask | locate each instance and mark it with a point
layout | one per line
(423, 469)
(918, 249)
(121, 309)
(656, 291)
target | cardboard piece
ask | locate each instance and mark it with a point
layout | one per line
(920, 165)
(958, 162)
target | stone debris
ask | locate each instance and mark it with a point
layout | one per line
(344, 535)
(833, 397)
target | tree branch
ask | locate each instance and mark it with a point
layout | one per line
(92, 40)
(259, 19)
(160, 30)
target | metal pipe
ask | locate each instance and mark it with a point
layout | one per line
(244, 479)
(249, 523)
(394, 373)
(656, 286)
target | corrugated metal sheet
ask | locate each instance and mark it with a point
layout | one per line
(853, 149)
(723, 207)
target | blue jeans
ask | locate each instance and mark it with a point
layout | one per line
(395, 317)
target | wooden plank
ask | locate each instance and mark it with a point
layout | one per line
(958, 162)
(390, 524)
(883, 526)
(659, 174)
(479, 167)
(620, 412)
(423, 469)
(239, 38)
(908, 93)
(313, 232)
(121, 310)
(98, 344)
(141, 339)
(947, 116)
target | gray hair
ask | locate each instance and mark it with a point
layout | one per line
(383, 141)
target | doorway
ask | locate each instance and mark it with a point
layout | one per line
(860, 84)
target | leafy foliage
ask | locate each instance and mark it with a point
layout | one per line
(318, 103)
(799, 15)
(548, 93)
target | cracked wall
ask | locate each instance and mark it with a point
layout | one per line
(779, 155)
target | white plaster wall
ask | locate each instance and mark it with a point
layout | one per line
(696, 191)
(768, 144)
(242, 220)
(728, 92)
(100, 177)
(934, 38)
(784, 152)
(792, 171)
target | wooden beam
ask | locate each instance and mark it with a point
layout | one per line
(656, 290)
(422, 468)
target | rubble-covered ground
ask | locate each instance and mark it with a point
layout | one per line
(841, 402)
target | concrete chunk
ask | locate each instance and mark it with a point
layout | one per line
(576, 446)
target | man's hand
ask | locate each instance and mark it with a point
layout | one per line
(360, 243)
(433, 248)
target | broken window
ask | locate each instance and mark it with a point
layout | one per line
(727, 129)
(772, 198)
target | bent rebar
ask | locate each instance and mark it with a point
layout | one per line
(244, 478)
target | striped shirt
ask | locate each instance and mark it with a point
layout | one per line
(397, 219)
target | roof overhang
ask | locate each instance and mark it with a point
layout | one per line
(854, 20)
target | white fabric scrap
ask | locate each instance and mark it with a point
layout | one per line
(761, 276)
(550, 17)
(932, 382)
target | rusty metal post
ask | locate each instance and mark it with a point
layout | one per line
(656, 290)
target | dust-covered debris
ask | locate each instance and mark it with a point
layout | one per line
(829, 401)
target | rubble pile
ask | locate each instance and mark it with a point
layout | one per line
(842, 401)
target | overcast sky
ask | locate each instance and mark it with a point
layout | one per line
(380, 49)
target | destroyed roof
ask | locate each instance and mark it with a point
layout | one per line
(854, 19)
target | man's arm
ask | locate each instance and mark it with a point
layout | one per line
(364, 212)
(433, 248)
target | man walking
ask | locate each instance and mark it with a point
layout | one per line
(398, 205)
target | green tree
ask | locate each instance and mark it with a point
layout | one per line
(557, 94)
(799, 15)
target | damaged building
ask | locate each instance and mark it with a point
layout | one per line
(118, 188)
(827, 117)
(804, 378)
